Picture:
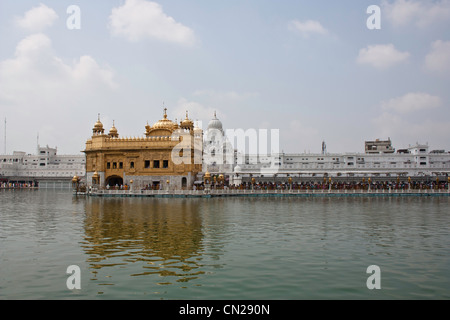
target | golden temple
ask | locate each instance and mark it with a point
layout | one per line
(167, 157)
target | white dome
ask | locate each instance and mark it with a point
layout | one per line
(215, 123)
(237, 169)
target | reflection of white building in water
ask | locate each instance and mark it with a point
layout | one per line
(379, 162)
(45, 169)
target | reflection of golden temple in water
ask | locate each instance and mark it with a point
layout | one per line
(167, 241)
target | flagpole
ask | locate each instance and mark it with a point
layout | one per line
(5, 136)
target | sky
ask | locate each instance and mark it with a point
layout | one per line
(330, 71)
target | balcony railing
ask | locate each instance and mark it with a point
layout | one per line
(273, 192)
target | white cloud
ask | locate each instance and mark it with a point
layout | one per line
(381, 56)
(438, 60)
(39, 92)
(307, 28)
(33, 46)
(36, 73)
(411, 102)
(421, 13)
(401, 119)
(408, 130)
(37, 18)
(140, 19)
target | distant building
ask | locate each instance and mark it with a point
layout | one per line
(416, 162)
(45, 169)
(379, 146)
(378, 162)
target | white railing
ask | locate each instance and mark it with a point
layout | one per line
(274, 191)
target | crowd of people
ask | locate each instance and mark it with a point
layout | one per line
(18, 185)
(385, 185)
(117, 187)
(309, 186)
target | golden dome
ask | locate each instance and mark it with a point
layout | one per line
(175, 125)
(164, 123)
(197, 129)
(113, 131)
(187, 123)
(147, 129)
(98, 126)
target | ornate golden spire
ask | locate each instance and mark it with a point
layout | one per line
(161, 124)
(113, 132)
(98, 126)
(187, 123)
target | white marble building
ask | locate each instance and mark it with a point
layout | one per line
(416, 161)
(46, 168)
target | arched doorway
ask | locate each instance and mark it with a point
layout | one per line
(114, 181)
(183, 182)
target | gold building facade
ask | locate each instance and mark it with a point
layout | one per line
(169, 156)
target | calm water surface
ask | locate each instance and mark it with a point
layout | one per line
(231, 248)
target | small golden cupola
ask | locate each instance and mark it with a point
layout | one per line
(187, 123)
(197, 129)
(147, 129)
(98, 127)
(175, 125)
(113, 133)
